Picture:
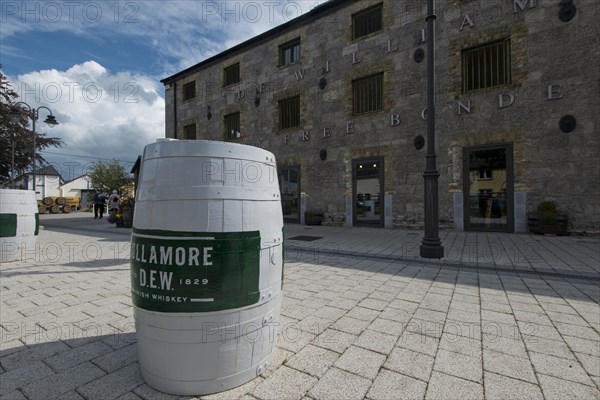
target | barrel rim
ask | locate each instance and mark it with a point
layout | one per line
(220, 143)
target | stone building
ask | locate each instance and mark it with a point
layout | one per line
(339, 96)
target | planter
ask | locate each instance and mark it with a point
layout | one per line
(560, 227)
(312, 218)
(127, 212)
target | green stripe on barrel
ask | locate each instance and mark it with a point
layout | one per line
(198, 272)
(8, 225)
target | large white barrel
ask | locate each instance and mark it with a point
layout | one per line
(19, 224)
(206, 264)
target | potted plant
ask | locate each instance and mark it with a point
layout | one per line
(126, 210)
(547, 219)
(119, 220)
(115, 218)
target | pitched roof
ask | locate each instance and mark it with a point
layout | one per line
(74, 179)
(47, 170)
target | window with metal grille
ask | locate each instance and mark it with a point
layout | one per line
(231, 74)
(367, 21)
(367, 94)
(189, 132)
(189, 90)
(289, 52)
(486, 66)
(232, 126)
(289, 113)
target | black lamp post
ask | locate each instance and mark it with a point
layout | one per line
(17, 112)
(431, 246)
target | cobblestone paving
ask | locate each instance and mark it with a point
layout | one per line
(351, 328)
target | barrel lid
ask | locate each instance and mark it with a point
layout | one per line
(206, 148)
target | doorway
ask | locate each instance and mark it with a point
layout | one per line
(289, 185)
(488, 187)
(367, 192)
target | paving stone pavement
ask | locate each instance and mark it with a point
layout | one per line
(361, 318)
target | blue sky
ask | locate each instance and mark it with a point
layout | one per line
(97, 64)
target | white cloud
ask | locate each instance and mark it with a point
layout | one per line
(100, 114)
(109, 114)
(184, 30)
(191, 31)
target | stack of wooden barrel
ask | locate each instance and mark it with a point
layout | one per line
(57, 205)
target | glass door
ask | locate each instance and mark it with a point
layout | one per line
(367, 189)
(488, 188)
(289, 185)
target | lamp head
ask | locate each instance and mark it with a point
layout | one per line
(15, 114)
(51, 121)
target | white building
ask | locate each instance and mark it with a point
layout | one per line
(80, 187)
(47, 182)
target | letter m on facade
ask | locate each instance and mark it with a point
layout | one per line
(520, 4)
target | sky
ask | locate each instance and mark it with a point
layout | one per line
(97, 65)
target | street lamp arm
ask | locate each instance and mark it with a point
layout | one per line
(33, 114)
(16, 112)
(45, 108)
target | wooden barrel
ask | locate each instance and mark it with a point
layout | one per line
(127, 213)
(55, 209)
(60, 201)
(206, 264)
(48, 201)
(66, 209)
(19, 224)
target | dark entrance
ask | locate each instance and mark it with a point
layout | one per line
(488, 188)
(367, 192)
(289, 185)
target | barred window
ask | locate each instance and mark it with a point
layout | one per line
(367, 21)
(189, 91)
(189, 132)
(289, 52)
(367, 94)
(486, 66)
(232, 126)
(231, 74)
(289, 113)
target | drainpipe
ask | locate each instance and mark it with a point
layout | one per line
(175, 110)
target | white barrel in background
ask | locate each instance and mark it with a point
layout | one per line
(206, 264)
(19, 224)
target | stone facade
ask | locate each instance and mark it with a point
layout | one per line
(554, 73)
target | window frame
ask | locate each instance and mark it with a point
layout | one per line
(289, 45)
(371, 105)
(479, 77)
(226, 125)
(226, 82)
(292, 118)
(365, 13)
(186, 133)
(186, 93)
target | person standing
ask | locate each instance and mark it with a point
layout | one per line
(113, 202)
(99, 200)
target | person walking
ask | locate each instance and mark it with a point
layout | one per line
(113, 202)
(99, 201)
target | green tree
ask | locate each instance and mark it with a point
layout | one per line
(16, 138)
(107, 176)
